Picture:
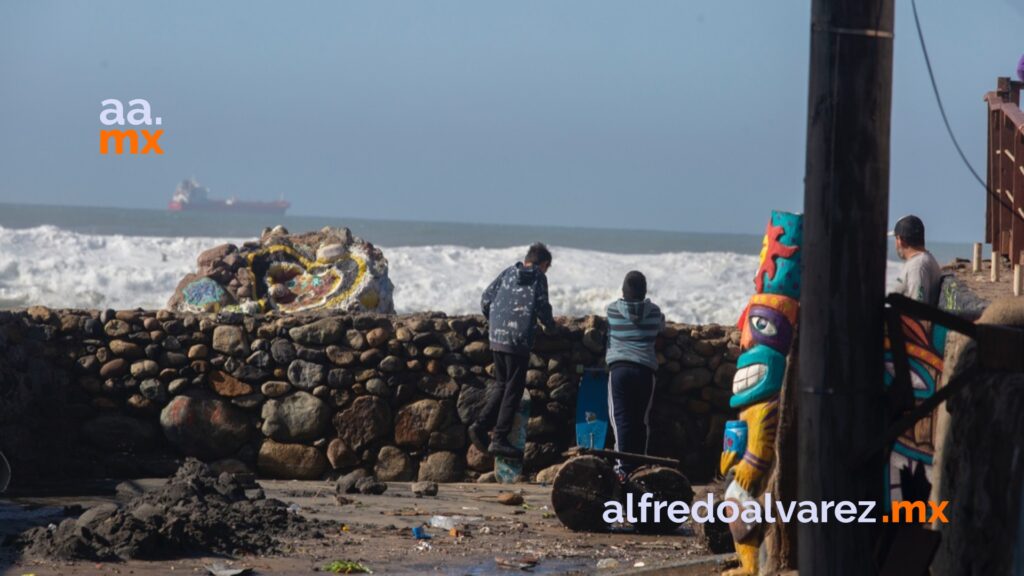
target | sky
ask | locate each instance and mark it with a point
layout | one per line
(666, 115)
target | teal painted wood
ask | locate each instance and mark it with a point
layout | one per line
(509, 470)
(592, 410)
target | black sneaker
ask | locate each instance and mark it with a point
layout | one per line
(501, 447)
(478, 437)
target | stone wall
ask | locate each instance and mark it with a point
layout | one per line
(128, 393)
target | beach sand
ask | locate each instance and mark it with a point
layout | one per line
(379, 535)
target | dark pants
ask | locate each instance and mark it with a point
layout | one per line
(630, 395)
(500, 409)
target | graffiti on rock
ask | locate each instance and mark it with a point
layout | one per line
(325, 270)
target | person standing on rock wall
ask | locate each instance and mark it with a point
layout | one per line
(921, 276)
(512, 304)
(634, 323)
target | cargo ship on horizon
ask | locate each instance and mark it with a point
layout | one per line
(189, 196)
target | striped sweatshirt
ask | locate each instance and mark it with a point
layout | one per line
(632, 327)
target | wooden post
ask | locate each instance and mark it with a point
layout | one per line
(846, 199)
(1016, 280)
(976, 258)
(994, 274)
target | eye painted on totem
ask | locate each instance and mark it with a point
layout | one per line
(763, 325)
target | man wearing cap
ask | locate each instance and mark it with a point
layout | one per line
(634, 323)
(921, 275)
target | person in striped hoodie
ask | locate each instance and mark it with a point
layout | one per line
(633, 324)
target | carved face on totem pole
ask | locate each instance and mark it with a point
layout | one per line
(768, 321)
(768, 325)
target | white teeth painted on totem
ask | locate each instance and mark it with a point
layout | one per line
(748, 376)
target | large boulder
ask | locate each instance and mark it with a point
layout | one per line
(394, 465)
(415, 422)
(442, 467)
(479, 352)
(320, 333)
(366, 420)
(230, 340)
(340, 455)
(206, 428)
(300, 416)
(325, 270)
(227, 385)
(479, 461)
(306, 375)
(290, 461)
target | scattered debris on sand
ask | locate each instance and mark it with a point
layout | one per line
(195, 512)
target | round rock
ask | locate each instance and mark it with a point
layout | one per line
(282, 351)
(206, 428)
(415, 422)
(290, 461)
(306, 375)
(340, 455)
(319, 333)
(394, 465)
(230, 340)
(275, 389)
(300, 416)
(442, 467)
(366, 420)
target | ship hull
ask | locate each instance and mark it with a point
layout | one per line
(223, 206)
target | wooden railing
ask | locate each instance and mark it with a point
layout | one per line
(1004, 213)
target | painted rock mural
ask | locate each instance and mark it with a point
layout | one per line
(910, 472)
(325, 270)
(767, 324)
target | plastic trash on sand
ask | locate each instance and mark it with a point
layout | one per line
(449, 522)
(420, 534)
(220, 569)
(605, 563)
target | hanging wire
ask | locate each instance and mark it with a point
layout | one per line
(938, 99)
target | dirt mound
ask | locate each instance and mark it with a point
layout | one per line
(195, 512)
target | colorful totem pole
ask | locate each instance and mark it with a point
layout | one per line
(909, 475)
(767, 325)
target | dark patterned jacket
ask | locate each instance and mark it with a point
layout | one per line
(513, 303)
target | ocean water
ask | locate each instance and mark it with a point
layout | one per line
(121, 258)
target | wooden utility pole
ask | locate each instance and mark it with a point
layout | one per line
(846, 199)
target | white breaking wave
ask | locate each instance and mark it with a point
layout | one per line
(53, 267)
(689, 286)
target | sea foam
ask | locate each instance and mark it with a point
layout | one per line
(53, 267)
